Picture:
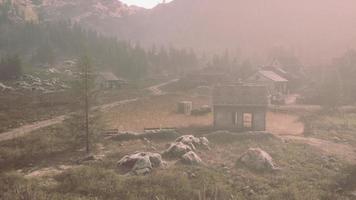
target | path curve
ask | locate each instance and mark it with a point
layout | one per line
(155, 90)
(343, 151)
(27, 129)
(288, 127)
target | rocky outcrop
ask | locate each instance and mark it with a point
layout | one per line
(176, 150)
(194, 142)
(140, 163)
(191, 158)
(184, 148)
(257, 159)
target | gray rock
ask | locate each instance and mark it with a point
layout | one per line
(140, 163)
(353, 193)
(257, 159)
(204, 142)
(193, 142)
(4, 87)
(176, 150)
(156, 160)
(191, 158)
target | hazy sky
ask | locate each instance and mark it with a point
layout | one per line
(144, 3)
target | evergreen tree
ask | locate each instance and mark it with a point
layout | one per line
(10, 67)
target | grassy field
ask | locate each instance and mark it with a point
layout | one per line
(48, 168)
(337, 127)
(156, 112)
(17, 109)
(304, 173)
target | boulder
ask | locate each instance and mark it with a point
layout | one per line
(4, 87)
(176, 150)
(140, 163)
(193, 141)
(353, 193)
(191, 158)
(204, 142)
(257, 159)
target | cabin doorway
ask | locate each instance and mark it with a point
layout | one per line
(247, 121)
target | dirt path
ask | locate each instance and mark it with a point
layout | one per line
(155, 90)
(26, 129)
(288, 127)
(342, 151)
(284, 124)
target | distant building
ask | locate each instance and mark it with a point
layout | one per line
(108, 80)
(240, 108)
(275, 83)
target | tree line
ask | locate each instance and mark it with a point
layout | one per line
(10, 67)
(48, 43)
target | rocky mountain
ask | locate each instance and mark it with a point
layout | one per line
(96, 14)
(18, 10)
(314, 30)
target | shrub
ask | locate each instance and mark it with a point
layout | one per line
(90, 181)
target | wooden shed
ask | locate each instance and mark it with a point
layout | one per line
(240, 108)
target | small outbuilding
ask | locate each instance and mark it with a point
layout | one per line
(240, 108)
(275, 83)
(108, 80)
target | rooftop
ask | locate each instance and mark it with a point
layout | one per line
(108, 76)
(273, 76)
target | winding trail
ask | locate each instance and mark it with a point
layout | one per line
(27, 129)
(343, 151)
(289, 128)
(155, 90)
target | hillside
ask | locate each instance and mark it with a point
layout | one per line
(315, 30)
(96, 14)
(19, 11)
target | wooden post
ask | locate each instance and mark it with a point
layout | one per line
(87, 108)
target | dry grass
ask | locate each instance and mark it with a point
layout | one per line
(155, 112)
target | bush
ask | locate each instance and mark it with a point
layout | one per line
(39, 145)
(90, 181)
(14, 186)
(174, 183)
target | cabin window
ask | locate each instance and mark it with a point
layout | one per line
(247, 119)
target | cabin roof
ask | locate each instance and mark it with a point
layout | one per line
(272, 76)
(109, 76)
(233, 95)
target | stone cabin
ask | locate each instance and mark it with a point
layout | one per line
(275, 83)
(240, 108)
(108, 80)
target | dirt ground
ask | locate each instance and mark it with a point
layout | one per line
(160, 111)
(290, 128)
(156, 112)
(284, 124)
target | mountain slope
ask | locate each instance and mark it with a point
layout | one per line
(314, 29)
(95, 14)
(18, 11)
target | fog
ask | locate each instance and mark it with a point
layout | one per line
(316, 30)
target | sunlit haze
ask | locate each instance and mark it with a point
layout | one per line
(177, 99)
